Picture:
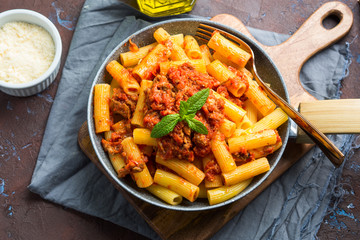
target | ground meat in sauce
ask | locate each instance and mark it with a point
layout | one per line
(211, 169)
(177, 144)
(243, 157)
(187, 82)
(222, 90)
(113, 145)
(132, 166)
(161, 96)
(164, 98)
(241, 76)
(122, 103)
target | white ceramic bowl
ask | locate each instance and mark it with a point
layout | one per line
(41, 83)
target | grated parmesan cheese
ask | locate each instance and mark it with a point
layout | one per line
(26, 52)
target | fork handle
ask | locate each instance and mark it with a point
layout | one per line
(328, 148)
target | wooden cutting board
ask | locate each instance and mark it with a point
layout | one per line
(289, 58)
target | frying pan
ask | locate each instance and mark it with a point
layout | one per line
(266, 69)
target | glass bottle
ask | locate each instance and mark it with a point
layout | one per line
(160, 8)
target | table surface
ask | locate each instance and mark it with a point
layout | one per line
(25, 215)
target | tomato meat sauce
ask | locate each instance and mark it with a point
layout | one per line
(164, 98)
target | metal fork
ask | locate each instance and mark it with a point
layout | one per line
(329, 149)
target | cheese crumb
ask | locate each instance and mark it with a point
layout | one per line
(26, 52)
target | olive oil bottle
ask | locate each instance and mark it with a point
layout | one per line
(160, 8)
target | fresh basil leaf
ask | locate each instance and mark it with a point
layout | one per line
(198, 100)
(165, 126)
(196, 125)
(191, 115)
(184, 106)
(187, 112)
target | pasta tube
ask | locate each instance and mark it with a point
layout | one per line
(231, 110)
(253, 140)
(227, 62)
(246, 171)
(177, 39)
(222, 154)
(129, 59)
(224, 60)
(101, 107)
(227, 128)
(192, 48)
(238, 132)
(149, 65)
(245, 123)
(117, 160)
(138, 116)
(219, 71)
(123, 77)
(185, 169)
(229, 49)
(217, 180)
(272, 121)
(206, 55)
(178, 54)
(165, 194)
(198, 64)
(259, 98)
(264, 151)
(224, 193)
(176, 184)
(161, 35)
(202, 191)
(142, 136)
(251, 111)
(143, 179)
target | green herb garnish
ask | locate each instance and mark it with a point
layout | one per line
(187, 113)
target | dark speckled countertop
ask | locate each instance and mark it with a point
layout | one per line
(24, 215)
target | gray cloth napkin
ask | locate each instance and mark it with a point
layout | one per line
(291, 208)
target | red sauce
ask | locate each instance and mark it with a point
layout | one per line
(241, 76)
(133, 47)
(222, 90)
(164, 98)
(122, 104)
(211, 169)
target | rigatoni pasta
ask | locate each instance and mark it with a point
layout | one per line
(184, 168)
(165, 194)
(158, 82)
(222, 154)
(123, 77)
(138, 116)
(176, 184)
(142, 176)
(129, 59)
(150, 63)
(192, 48)
(224, 193)
(229, 50)
(101, 108)
(246, 171)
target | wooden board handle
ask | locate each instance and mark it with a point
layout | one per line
(312, 36)
(309, 39)
(331, 116)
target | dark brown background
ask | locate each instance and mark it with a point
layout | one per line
(24, 215)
